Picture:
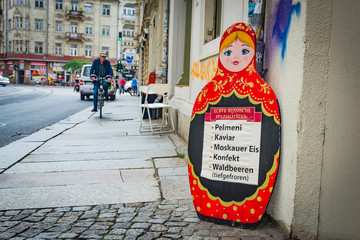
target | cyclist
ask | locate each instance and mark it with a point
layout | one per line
(101, 68)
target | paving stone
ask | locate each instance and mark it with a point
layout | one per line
(176, 224)
(126, 210)
(192, 220)
(121, 225)
(77, 230)
(68, 235)
(187, 231)
(90, 236)
(90, 214)
(33, 219)
(50, 219)
(206, 233)
(158, 228)
(176, 230)
(107, 215)
(126, 217)
(28, 211)
(5, 218)
(141, 225)
(7, 235)
(112, 236)
(118, 231)
(12, 213)
(134, 232)
(70, 219)
(172, 236)
(30, 232)
(149, 236)
(20, 227)
(55, 214)
(10, 223)
(73, 214)
(95, 231)
(81, 209)
(48, 235)
(157, 220)
(83, 223)
(62, 209)
(100, 226)
(141, 219)
(60, 228)
(19, 217)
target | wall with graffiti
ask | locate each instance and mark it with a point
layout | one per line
(284, 59)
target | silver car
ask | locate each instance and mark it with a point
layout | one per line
(4, 81)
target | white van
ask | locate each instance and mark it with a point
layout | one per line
(87, 87)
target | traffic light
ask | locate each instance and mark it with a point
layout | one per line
(121, 68)
(120, 36)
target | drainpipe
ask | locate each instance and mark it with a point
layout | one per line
(165, 67)
(117, 32)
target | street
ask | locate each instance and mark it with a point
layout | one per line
(26, 109)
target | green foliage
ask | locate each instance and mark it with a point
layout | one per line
(75, 65)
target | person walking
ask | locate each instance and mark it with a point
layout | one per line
(122, 85)
(134, 85)
(101, 68)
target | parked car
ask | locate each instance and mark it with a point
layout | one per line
(4, 81)
(127, 86)
(87, 87)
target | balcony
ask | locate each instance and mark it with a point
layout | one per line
(75, 15)
(74, 36)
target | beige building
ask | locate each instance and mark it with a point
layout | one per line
(152, 39)
(40, 39)
(311, 53)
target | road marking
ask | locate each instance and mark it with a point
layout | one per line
(2, 124)
(12, 93)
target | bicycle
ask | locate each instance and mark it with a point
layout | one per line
(101, 95)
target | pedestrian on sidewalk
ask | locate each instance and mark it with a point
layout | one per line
(101, 68)
(122, 85)
(134, 85)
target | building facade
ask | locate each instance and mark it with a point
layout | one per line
(311, 58)
(41, 36)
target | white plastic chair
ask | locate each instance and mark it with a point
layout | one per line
(160, 90)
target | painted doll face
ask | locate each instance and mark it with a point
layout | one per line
(236, 56)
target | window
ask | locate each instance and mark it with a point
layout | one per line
(27, 3)
(88, 51)
(88, 29)
(20, 45)
(106, 31)
(74, 27)
(89, 8)
(106, 10)
(59, 4)
(9, 24)
(17, 19)
(105, 49)
(212, 20)
(21, 22)
(38, 47)
(9, 46)
(124, 11)
(73, 50)
(39, 3)
(58, 26)
(128, 33)
(74, 5)
(39, 24)
(58, 48)
(10, 3)
(16, 46)
(27, 46)
(27, 23)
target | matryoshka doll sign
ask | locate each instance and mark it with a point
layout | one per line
(234, 141)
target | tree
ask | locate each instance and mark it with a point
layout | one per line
(75, 65)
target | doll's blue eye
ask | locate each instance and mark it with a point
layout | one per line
(244, 51)
(228, 53)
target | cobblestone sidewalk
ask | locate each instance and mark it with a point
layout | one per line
(170, 219)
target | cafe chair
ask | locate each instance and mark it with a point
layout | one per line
(152, 125)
